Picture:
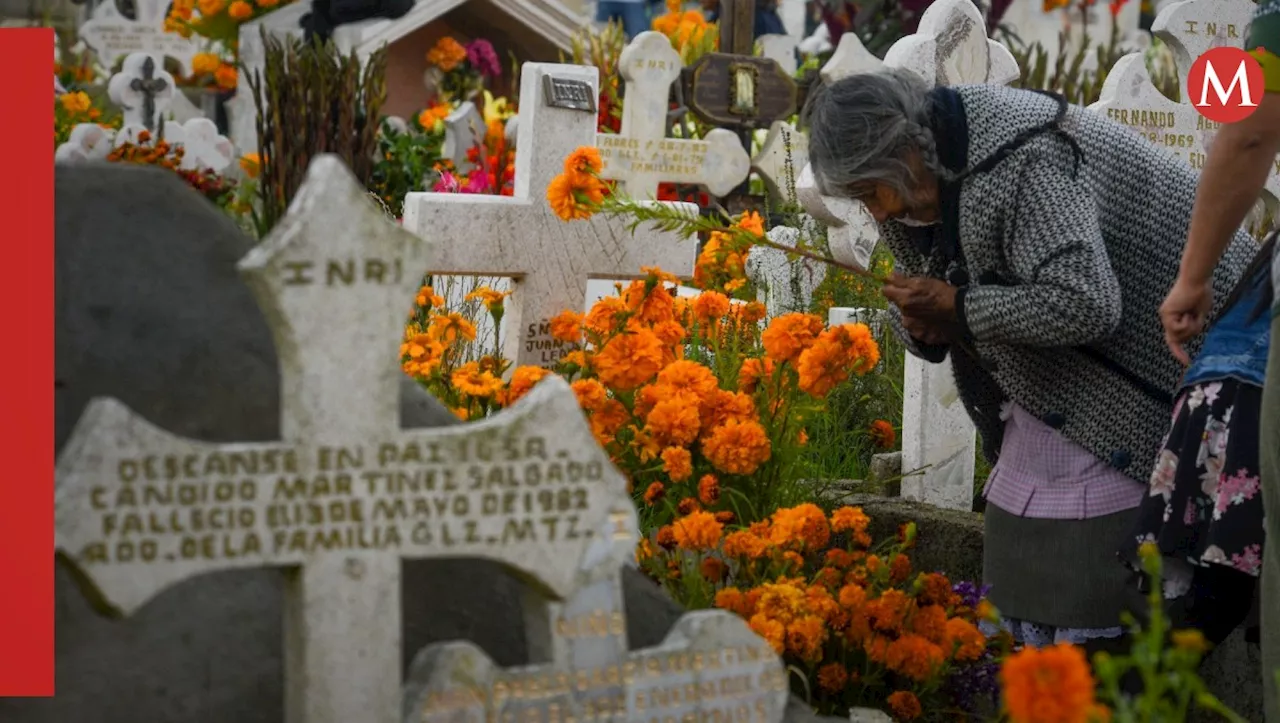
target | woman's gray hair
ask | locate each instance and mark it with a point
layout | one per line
(864, 128)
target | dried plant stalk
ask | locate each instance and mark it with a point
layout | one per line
(312, 100)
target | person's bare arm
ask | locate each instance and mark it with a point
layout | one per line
(1242, 156)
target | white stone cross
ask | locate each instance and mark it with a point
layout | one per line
(521, 237)
(640, 155)
(346, 494)
(783, 154)
(87, 142)
(1128, 96)
(785, 282)
(113, 36)
(710, 667)
(143, 91)
(464, 129)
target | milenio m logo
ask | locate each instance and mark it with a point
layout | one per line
(1225, 84)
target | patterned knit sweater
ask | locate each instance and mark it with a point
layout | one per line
(1067, 266)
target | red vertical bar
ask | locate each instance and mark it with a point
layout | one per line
(26, 365)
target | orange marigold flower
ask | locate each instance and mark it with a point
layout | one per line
(225, 76)
(666, 537)
(838, 558)
(446, 54)
(451, 327)
(935, 589)
(930, 623)
(710, 306)
(882, 434)
(852, 596)
(751, 222)
(832, 677)
(688, 380)
(698, 531)
(591, 394)
(1048, 685)
(987, 611)
(804, 524)
(251, 164)
(605, 315)
(673, 422)
(751, 372)
(670, 332)
(737, 447)
(888, 611)
(744, 544)
(434, 114)
(644, 550)
(721, 407)
(714, 569)
(491, 299)
(427, 298)
(732, 599)
(805, 638)
(678, 463)
(470, 380)
(629, 360)
(905, 705)
(523, 379)
(687, 506)
(914, 657)
(573, 198)
(790, 334)
(965, 639)
(608, 418)
(583, 164)
(655, 492)
(899, 569)
(201, 64)
(567, 327)
(753, 311)
(651, 305)
(774, 632)
(239, 10)
(709, 489)
(725, 517)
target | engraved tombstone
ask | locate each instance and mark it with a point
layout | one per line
(346, 494)
(522, 238)
(640, 155)
(114, 35)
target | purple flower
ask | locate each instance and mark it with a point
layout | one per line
(975, 687)
(482, 57)
(970, 593)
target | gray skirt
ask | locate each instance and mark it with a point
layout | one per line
(1059, 573)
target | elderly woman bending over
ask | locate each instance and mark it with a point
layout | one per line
(1034, 242)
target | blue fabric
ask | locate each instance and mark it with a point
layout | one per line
(768, 21)
(1236, 346)
(634, 15)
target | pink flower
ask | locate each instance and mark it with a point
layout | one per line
(448, 183)
(1249, 561)
(1235, 489)
(478, 182)
(1162, 475)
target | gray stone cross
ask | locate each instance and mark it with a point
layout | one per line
(346, 494)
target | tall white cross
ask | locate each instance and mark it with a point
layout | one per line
(640, 155)
(521, 237)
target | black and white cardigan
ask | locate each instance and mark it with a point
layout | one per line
(1065, 242)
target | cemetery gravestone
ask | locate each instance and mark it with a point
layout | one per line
(640, 155)
(786, 281)
(521, 237)
(112, 35)
(347, 493)
(142, 90)
(710, 667)
(783, 154)
(1128, 96)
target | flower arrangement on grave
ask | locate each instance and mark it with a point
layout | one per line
(72, 109)
(218, 22)
(690, 33)
(406, 156)
(602, 48)
(494, 166)
(1054, 684)
(212, 70)
(158, 152)
(856, 622)
(441, 353)
(459, 72)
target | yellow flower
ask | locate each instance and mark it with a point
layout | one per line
(205, 63)
(496, 109)
(76, 102)
(451, 327)
(471, 381)
(491, 299)
(1191, 640)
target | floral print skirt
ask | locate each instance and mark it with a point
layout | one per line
(1204, 504)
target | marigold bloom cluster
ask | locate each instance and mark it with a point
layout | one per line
(1049, 685)
(577, 192)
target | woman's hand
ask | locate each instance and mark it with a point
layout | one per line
(1183, 314)
(928, 306)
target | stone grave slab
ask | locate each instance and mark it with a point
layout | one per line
(786, 283)
(113, 35)
(520, 237)
(146, 272)
(710, 667)
(346, 494)
(641, 156)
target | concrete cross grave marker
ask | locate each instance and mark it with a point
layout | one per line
(346, 494)
(786, 282)
(87, 142)
(142, 90)
(464, 129)
(1128, 96)
(521, 237)
(783, 154)
(640, 155)
(112, 35)
(711, 667)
